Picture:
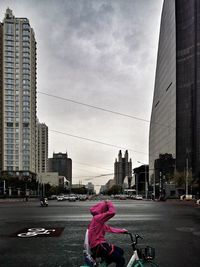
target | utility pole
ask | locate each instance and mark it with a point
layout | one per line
(160, 185)
(136, 178)
(4, 187)
(38, 189)
(186, 179)
(43, 186)
(146, 187)
(154, 185)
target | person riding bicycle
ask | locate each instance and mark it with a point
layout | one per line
(102, 212)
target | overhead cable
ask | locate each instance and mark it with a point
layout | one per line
(98, 142)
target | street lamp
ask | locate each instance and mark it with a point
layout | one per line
(186, 178)
(145, 174)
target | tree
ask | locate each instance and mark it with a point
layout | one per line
(114, 190)
(179, 178)
(80, 190)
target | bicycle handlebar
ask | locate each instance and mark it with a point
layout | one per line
(134, 242)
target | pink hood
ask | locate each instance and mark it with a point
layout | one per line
(99, 208)
(102, 212)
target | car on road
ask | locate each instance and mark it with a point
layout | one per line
(139, 197)
(123, 197)
(82, 197)
(66, 197)
(72, 198)
(60, 198)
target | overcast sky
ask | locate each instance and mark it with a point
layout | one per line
(101, 53)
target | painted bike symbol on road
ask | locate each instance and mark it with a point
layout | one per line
(31, 232)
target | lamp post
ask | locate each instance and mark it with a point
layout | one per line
(186, 182)
(136, 176)
(145, 174)
(154, 185)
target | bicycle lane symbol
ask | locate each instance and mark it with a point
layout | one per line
(31, 232)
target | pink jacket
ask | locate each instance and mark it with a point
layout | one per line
(102, 212)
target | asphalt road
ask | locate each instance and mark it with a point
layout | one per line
(173, 228)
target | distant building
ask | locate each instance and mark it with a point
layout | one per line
(110, 184)
(51, 178)
(42, 147)
(63, 182)
(141, 175)
(105, 188)
(90, 188)
(102, 189)
(122, 168)
(76, 186)
(62, 164)
(164, 166)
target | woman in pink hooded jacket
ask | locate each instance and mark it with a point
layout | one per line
(102, 212)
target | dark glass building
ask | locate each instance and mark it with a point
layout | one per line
(175, 118)
(62, 164)
(141, 174)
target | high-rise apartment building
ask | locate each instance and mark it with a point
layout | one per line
(17, 96)
(175, 118)
(122, 168)
(62, 164)
(42, 147)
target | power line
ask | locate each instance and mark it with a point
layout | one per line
(97, 167)
(95, 107)
(98, 176)
(104, 109)
(98, 142)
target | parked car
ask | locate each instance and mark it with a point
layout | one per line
(60, 198)
(123, 197)
(72, 198)
(66, 197)
(139, 197)
(82, 197)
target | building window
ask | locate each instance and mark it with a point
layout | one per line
(9, 28)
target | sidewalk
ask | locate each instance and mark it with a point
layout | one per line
(191, 203)
(16, 200)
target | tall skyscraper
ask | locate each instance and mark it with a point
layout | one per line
(175, 118)
(122, 168)
(62, 164)
(42, 147)
(17, 96)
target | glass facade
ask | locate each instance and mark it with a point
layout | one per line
(163, 118)
(1, 91)
(175, 120)
(188, 84)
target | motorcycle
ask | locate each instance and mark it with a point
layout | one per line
(44, 202)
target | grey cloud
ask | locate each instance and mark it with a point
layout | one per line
(100, 52)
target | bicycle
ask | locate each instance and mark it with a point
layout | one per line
(142, 257)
